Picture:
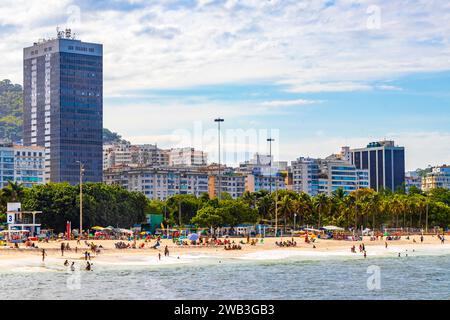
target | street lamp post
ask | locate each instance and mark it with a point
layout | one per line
(81, 197)
(270, 140)
(219, 120)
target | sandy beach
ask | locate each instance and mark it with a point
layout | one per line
(268, 250)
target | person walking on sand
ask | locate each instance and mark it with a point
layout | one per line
(421, 239)
(365, 254)
(386, 244)
(43, 254)
(86, 255)
(63, 246)
(159, 256)
(166, 251)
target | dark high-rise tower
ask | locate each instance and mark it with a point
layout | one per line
(63, 106)
(385, 162)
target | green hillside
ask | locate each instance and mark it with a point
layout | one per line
(10, 111)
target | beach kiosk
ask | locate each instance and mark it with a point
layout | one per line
(21, 222)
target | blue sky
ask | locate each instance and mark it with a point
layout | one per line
(317, 75)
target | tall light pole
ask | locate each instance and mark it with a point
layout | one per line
(81, 197)
(219, 120)
(270, 140)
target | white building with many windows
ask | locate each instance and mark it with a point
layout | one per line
(439, 177)
(25, 165)
(315, 176)
(187, 157)
(159, 183)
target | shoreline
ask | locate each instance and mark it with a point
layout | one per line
(183, 255)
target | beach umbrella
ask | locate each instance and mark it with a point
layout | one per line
(193, 237)
(97, 228)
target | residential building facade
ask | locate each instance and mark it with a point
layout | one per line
(24, 165)
(439, 177)
(187, 157)
(159, 183)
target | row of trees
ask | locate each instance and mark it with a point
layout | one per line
(113, 205)
(103, 204)
(363, 207)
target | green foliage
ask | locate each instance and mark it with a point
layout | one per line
(11, 104)
(110, 137)
(103, 205)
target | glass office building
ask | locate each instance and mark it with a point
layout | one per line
(385, 163)
(63, 106)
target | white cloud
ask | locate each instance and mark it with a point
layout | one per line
(167, 44)
(389, 88)
(289, 103)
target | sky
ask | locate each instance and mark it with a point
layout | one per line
(314, 75)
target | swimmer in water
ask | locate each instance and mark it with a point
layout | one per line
(72, 267)
(66, 263)
(88, 266)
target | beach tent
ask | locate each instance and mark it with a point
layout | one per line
(193, 237)
(333, 228)
(126, 231)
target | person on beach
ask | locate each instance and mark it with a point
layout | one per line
(86, 255)
(365, 254)
(72, 267)
(88, 266)
(43, 254)
(421, 239)
(62, 249)
(166, 251)
(66, 263)
(386, 244)
(159, 256)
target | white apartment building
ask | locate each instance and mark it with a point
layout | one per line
(25, 165)
(159, 183)
(124, 154)
(439, 177)
(315, 176)
(187, 157)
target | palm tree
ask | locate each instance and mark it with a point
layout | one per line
(321, 202)
(13, 192)
(302, 206)
(286, 208)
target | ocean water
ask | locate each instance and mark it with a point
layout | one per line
(415, 277)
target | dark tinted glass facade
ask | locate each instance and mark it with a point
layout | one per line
(63, 107)
(386, 166)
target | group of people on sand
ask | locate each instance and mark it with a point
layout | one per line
(233, 247)
(288, 243)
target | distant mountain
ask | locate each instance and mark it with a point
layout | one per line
(11, 110)
(111, 137)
